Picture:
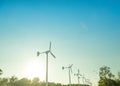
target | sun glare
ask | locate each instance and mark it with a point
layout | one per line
(35, 69)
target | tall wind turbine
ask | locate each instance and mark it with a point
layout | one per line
(78, 75)
(70, 70)
(47, 52)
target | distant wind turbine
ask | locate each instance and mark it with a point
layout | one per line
(70, 70)
(47, 52)
(88, 82)
(83, 78)
(78, 75)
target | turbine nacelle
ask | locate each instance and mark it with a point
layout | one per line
(63, 68)
(48, 51)
(38, 53)
(69, 67)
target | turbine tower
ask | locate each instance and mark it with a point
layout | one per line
(70, 70)
(83, 78)
(47, 52)
(78, 75)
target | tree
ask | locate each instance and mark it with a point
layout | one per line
(12, 81)
(110, 75)
(106, 77)
(1, 71)
(4, 82)
(105, 73)
(23, 82)
(35, 82)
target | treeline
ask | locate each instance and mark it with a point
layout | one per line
(14, 81)
(107, 78)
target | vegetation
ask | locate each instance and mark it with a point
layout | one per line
(107, 78)
(1, 72)
(14, 81)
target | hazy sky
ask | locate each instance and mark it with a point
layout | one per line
(85, 33)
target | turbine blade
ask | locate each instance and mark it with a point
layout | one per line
(71, 65)
(50, 46)
(52, 54)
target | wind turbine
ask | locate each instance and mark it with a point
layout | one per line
(78, 75)
(83, 79)
(88, 82)
(70, 70)
(47, 52)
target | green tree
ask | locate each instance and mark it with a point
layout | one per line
(35, 82)
(106, 77)
(104, 71)
(110, 75)
(4, 82)
(23, 82)
(12, 81)
(1, 71)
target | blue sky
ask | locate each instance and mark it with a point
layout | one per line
(83, 32)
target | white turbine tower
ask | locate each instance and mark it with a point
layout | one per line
(46, 52)
(83, 79)
(70, 70)
(78, 75)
